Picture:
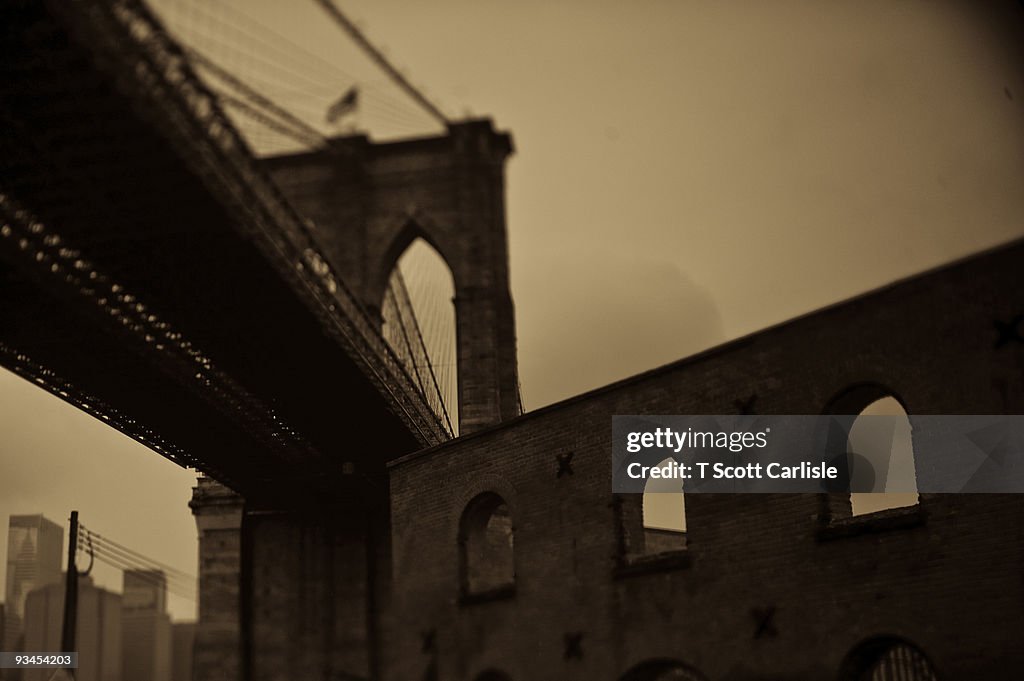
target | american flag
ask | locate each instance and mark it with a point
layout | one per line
(344, 105)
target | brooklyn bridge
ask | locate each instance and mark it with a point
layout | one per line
(239, 314)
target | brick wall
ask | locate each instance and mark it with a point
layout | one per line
(764, 589)
(312, 594)
(218, 652)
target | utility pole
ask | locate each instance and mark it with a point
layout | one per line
(71, 592)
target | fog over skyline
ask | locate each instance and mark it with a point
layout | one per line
(685, 173)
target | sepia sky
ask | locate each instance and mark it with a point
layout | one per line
(685, 173)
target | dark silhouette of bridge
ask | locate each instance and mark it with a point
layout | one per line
(154, 275)
(160, 277)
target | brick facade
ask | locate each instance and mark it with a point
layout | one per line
(760, 586)
(769, 586)
(218, 651)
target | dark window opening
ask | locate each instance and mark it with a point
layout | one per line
(487, 540)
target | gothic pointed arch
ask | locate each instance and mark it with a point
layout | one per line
(405, 235)
(417, 318)
(370, 204)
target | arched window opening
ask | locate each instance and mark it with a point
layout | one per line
(881, 456)
(487, 543)
(418, 314)
(664, 514)
(662, 670)
(887, 659)
(492, 675)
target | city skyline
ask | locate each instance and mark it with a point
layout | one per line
(32, 556)
(119, 633)
(131, 580)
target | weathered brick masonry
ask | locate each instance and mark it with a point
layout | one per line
(767, 586)
(219, 646)
(770, 586)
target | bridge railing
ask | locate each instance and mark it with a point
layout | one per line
(153, 68)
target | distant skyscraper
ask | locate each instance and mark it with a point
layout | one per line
(34, 549)
(184, 638)
(145, 591)
(146, 628)
(97, 630)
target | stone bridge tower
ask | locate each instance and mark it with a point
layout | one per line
(288, 591)
(368, 202)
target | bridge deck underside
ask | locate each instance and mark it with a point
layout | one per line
(120, 199)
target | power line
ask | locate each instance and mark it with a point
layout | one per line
(100, 551)
(146, 574)
(174, 591)
(121, 557)
(99, 538)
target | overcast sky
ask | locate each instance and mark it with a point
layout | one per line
(686, 172)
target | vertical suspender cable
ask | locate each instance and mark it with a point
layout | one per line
(380, 60)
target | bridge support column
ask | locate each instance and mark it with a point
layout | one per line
(218, 652)
(486, 343)
(371, 201)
